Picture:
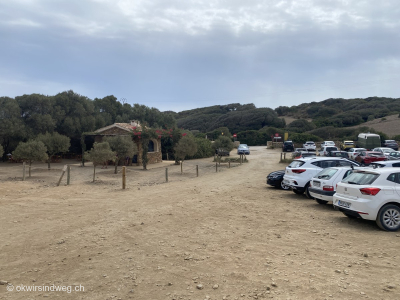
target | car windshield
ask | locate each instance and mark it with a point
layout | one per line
(331, 148)
(326, 173)
(361, 178)
(388, 150)
(296, 164)
(348, 143)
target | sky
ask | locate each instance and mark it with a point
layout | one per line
(180, 55)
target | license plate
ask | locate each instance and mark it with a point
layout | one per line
(344, 204)
(316, 183)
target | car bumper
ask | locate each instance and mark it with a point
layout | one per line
(363, 208)
(320, 194)
(274, 182)
(243, 152)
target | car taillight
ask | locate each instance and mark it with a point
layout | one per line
(370, 191)
(298, 171)
(328, 188)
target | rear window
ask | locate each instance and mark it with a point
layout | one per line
(296, 164)
(375, 154)
(331, 148)
(326, 173)
(361, 178)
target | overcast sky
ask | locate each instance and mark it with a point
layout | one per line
(178, 55)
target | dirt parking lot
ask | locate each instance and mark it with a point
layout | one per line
(224, 235)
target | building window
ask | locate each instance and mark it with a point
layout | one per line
(151, 146)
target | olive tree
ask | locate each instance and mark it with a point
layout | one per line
(223, 143)
(100, 154)
(55, 143)
(123, 146)
(186, 146)
(31, 151)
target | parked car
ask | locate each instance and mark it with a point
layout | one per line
(383, 150)
(297, 152)
(385, 164)
(243, 149)
(367, 157)
(354, 152)
(326, 149)
(391, 144)
(275, 179)
(346, 145)
(394, 155)
(323, 185)
(287, 146)
(300, 171)
(338, 154)
(327, 143)
(310, 146)
(371, 194)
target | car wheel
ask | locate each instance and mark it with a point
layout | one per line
(321, 201)
(308, 192)
(284, 186)
(298, 192)
(389, 218)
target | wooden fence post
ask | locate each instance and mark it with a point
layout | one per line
(23, 171)
(166, 174)
(181, 168)
(216, 167)
(229, 164)
(68, 174)
(197, 170)
(123, 177)
(62, 175)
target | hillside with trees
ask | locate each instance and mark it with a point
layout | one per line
(27, 117)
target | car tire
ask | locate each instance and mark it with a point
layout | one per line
(321, 201)
(297, 192)
(389, 218)
(308, 192)
(284, 186)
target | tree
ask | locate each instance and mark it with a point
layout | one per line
(223, 143)
(55, 143)
(31, 151)
(186, 147)
(1, 150)
(100, 154)
(123, 146)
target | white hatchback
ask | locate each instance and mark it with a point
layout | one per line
(371, 194)
(354, 152)
(323, 185)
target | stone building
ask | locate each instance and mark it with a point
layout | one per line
(126, 129)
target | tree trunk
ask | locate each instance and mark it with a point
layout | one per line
(94, 172)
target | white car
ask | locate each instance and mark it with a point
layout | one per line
(371, 194)
(354, 152)
(323, 185)
(310, 146)
(299, 173)
(385, 164)
(384, 150)
(327, 143)
(326, 149)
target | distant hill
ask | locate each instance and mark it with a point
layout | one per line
(389, 125)
(236, 117)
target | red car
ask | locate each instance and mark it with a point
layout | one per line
(367, 157)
